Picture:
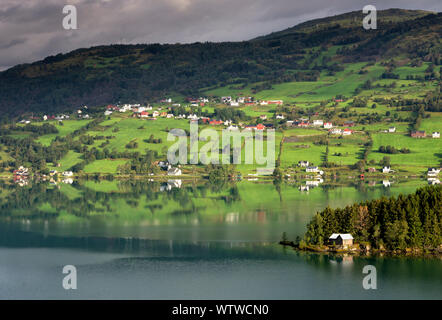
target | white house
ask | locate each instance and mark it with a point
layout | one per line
(279, 116)
(263, 103)
(318, 123)
(263, 117)
(234, 104)
(392, 129)
(68, 173)
(336, 131)
(435, 135)
(107, 113)
(346, 132)
(303, 164)
(386, 183)
(174, 172)
(386, 170)
(432, 172)
(312, 169)
(328, 125)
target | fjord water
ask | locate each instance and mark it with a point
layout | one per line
(178, 240)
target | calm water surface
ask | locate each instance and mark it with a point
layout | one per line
(176, 240)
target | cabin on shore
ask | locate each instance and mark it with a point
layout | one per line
(341, 239)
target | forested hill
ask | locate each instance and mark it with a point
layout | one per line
(129, 73)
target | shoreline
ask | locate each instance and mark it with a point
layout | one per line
(357, 251)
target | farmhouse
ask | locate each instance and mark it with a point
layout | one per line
(371, 169)
(341, 239)
(318, 122)
(174, 172)
(303, 164)
(435, 135)
(312, 169)
(279, 116)
(263, 117)
(433, 172)
(418, 134)
(144, 114)
(347, 132)
(392, 129)
(328, 125)
(386, 169)
(335, 131)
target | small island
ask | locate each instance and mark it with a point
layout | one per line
(403, 225)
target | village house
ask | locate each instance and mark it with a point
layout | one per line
(303, 164)
(432, 172)
(371, 170)
(278, 102)
(303, 124)
(289, 123)
(349, 124)
(263, 117)
(313, 169)
(169, 116)
(318, 123)
(341, 239)
(328, 125)
(215, 122)
(392, 129)
(68, 173)
(347, 132)
(143, 114)
(335, 131)
(386, 169)
(279, 116)
(232, 128)
(107, 113)
(174, 172)
(234, 104)
(263, 103)
(418, 134)
(435, 135)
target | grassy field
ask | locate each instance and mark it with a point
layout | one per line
(68, 126)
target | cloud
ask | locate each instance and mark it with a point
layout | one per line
(32, 29)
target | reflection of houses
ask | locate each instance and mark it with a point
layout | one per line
(341, 239)
(314, 169)
(304, 188)
(387, 170)
(170, 185)
(433, 181)
(386, 183)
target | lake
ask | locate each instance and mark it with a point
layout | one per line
(190, 240)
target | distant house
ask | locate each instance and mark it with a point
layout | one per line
(435, 135)
(392, 129)
(263, 103)
(371, 169)
(303, 164)
(174, 172)
(216, 122)
(303, 124)
(341, 239)
(289, 123)
(144, 114)
(432, 172)
(279, 116)
(349, 123)
(418, 134)
(335, 131)
(386, 183)
(263, 117)
(155, 114)
(328, 125)
(318, 122)
(312, 169)
(386, 170)
(347, 132)
(278, 102)
(260, 126)
(234, 104)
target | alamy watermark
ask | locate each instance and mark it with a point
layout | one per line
(186, 149)
(370, 21)
(70, 20)
(370, 280)
(70, 280)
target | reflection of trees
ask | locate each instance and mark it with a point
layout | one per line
(32, 202)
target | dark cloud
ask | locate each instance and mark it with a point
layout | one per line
(32, 29)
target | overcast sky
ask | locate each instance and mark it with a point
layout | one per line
(30, 30)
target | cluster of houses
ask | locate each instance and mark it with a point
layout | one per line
(422, 134)
(171, 171)
(248, 101)
(21, 176)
